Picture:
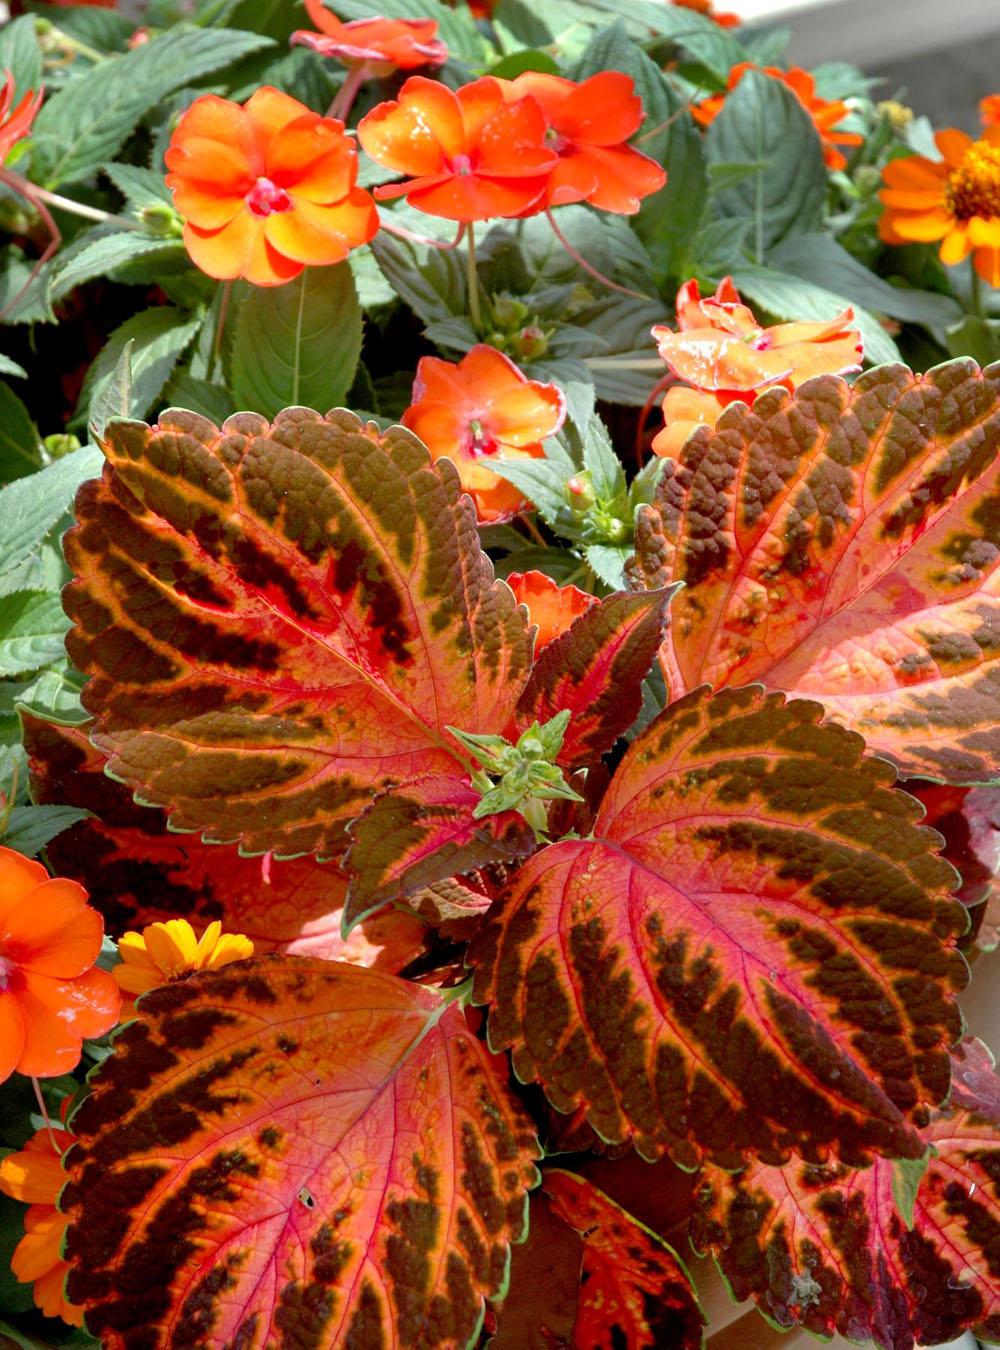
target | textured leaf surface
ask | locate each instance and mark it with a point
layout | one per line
(634, 1291)
(425, 834)
(596, 669)
(826, 1247)
(969, 821)
(843, 544)
(756, 952)
(137, 872)
(281, 621)
(291, 1152)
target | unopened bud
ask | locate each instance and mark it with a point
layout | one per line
(897, 114)
(867, 179)
(531, 342)
(61, 444)
(139, 38)
(509, 312)
(160, 220)
(580, 492)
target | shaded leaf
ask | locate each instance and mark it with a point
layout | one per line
(294, 1144)
(97, 257)
(157, 338)
(825, 1247)
(138, 872)
(30, 828)
(754, 953)
(596, 669)
(298, 344)
(843, 543)
(325, 614)
(969, 820)
(634, 1289)
(19, 441)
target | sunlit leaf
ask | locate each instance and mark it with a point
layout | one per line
(281, 622)
(634, 1290)
(138, 872)
(296, 1152)
(843, 544)
(596, 669)
(825, 1247)
(755, 951)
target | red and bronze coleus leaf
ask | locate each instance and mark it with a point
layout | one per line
(969, 821)
(826, 1247)
(842, 543)
(280, 621)
(634, 1290)
(293, 1152)
(596, 669)
(755, 953)
(138, 872)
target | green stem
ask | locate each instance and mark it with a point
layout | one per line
(220, 327)
(475, 312)
(33, 192)
(75, 45)
(976, 289)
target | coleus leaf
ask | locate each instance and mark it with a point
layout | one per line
(825, 1247)
(138, 872)
(754, 953)
(969, 821)
(842, 543)
(634, 1289)
(291, 1152)
(281, 620)
(596, 669)
(422, 834)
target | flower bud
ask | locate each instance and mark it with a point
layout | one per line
(62, 443)
(579, 492)
(531, 342)
(160, 220)
(509, 312)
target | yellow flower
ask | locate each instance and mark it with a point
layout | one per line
(168, 951)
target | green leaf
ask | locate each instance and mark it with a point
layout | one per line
(719, 247)
(820, 260)
(201, 396)
(30, 507)
(159, 338)
(298, 344)
(114, 399)
(54, 694)
(32, 827)
(763, 122)
(32, 629)
(140, 187)
(600, 459)
(978, 338)
(432, 283)
(9, 367)
(717, 50)
(608, 562)
(100, 256)
(793, 299)
(516, 63)
(21, 55)
(24, 289)
(907, 1174)
(14, 1296)
(668, 219)
(88, 120)
(19, 443)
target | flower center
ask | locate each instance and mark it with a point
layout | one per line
(7, 968)
(480, 442)
(461, 164)
(974, 187)
(556, 140)
(265, 197)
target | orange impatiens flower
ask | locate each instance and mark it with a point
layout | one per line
(478, 408)
(707, 8)
(825, 113)
(989, 110)
(381, 45)
(953, 202)
(168, 951)
(470, 154)
(266, 189)
(721, 349)
(15, 123)
(588, 125)
(551, 607)
(34, 1175)
(52, 996)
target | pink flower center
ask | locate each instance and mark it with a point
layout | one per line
(761, 341)
(479, 442)
(265, 197)
(7, 968)
(461, 164)
(556, 140)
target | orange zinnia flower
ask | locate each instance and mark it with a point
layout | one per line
(480, 407)
(34, 1175)
(266, 189)
(954, 201)
(723, 351)
(16, 123)
(52, 996)
(382, 45)
(705, 7)
(552, 608)
(471, 154)
(825, 113)
(588, 125)
(989, 110)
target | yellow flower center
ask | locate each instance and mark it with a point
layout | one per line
(974, 187)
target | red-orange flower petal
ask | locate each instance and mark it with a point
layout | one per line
(266, 189)
(15, 123)
(684, 411)
(479, 407)
(59, 1015)
(989, 110)
(53, 931)
(383, 44)
(551, 607)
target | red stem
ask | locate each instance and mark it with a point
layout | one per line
(588, 268)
